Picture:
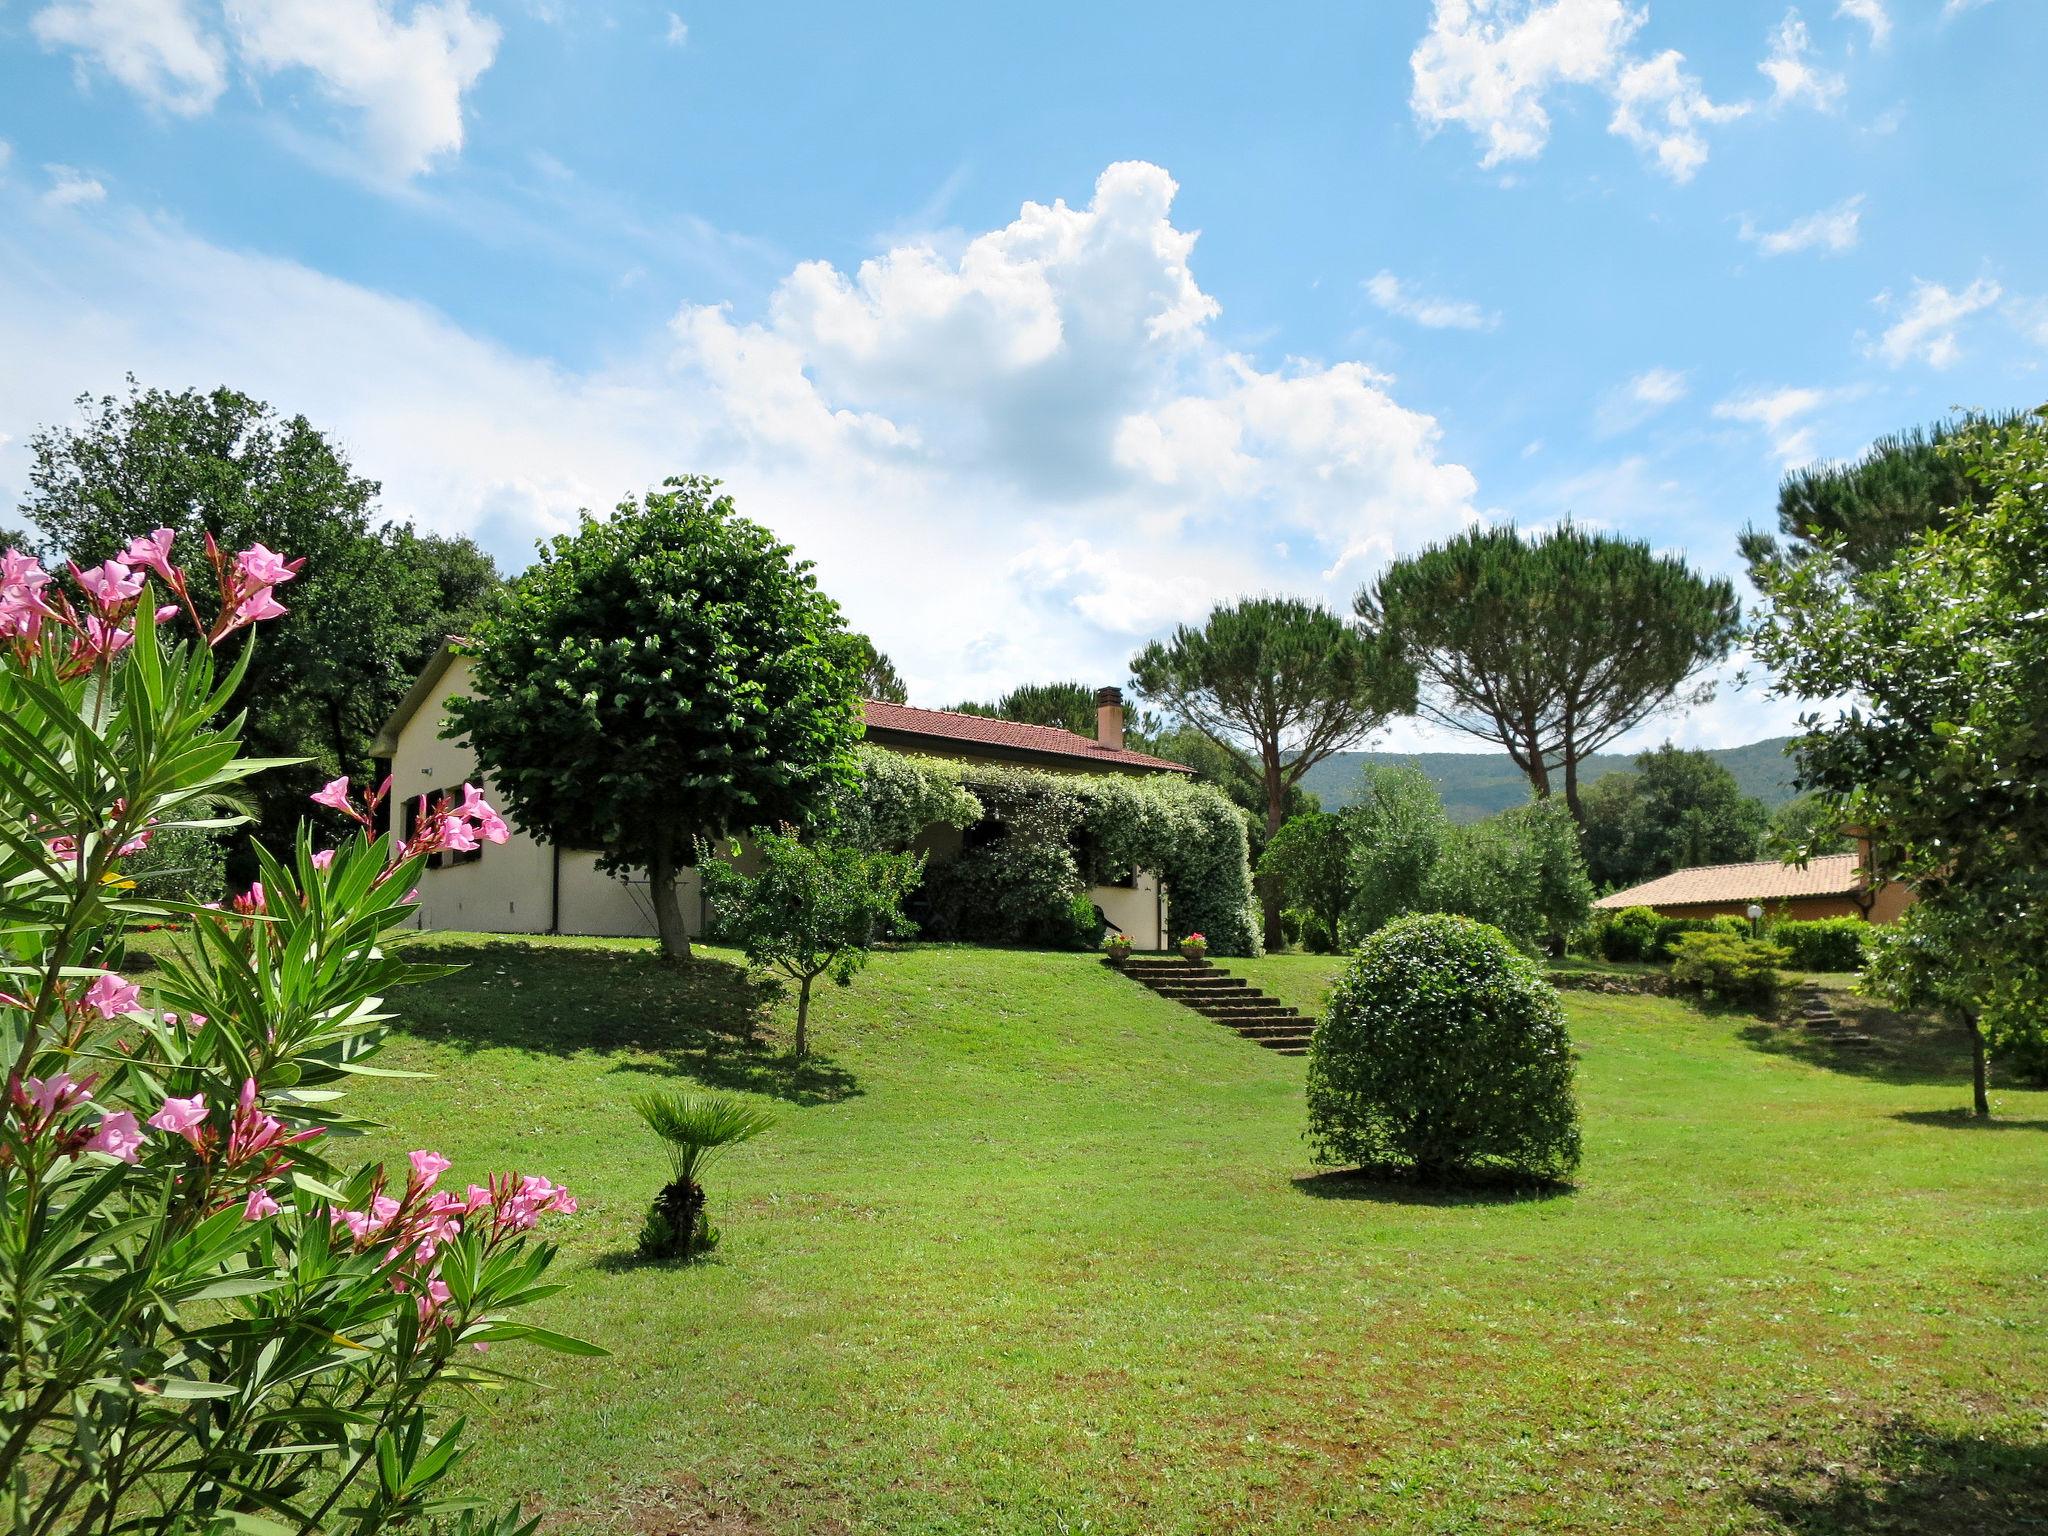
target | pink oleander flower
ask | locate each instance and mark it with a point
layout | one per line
(22, 608)
(105, 639)
(261, 567)
(428, 1166)
(323, 859)
(488, 821)
(154, 551)
(110, 583)
(118, 1136)
(49, 1097)
(252, 1133)
(110, 996)
(63, 846)
(259, 1205)
(333, 793)
(259, 605)
(250, 902)
(182, 1117)
(168, 612)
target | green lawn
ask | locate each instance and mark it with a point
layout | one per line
(1033, 1250)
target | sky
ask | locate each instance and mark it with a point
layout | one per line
(1043, 329)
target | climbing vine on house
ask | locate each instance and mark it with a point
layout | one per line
(1033, 842)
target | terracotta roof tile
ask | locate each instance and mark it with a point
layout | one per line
(1004, 736)
(1832, 874)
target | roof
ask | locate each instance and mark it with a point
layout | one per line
(1833, 874)
(938, 729)
(888, 725)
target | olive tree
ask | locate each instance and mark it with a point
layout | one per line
(669, 672)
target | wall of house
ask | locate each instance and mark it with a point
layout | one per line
(1137, 909)
(1888, 904)
(512, 887)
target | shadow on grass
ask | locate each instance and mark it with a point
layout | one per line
(705, 1020)
(1963, 1120)
(1919, 1481)
(1400, 1186)
(626, 1261)
(1906, 1050)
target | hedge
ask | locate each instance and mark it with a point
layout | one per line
(1642, 933)
(1822, 943)
(1035, 841)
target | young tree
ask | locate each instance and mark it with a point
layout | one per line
(1398, 829)
(1941, 757)
(373, 604)
(1872, 506)
(811, 910)
(668, 672)
(1281, 684)
(1309, 859)
(1552, 646)
(1678, 810)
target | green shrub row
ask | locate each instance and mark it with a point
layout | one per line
(1822, 943)
(1035, 841)
(1641, 933)
(1723, 968)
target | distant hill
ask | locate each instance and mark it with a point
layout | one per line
(1475, 785)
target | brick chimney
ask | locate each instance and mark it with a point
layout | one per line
(1109, 718)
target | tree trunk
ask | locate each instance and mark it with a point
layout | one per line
(668, 912)
(1269, 889)
(803, 1018)
(1571, 790)
(1980, 1086)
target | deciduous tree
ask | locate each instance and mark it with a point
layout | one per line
(669, 672)
(1931, 678)
(1552, 646)
(1678, 810)
(1281, 684)
(375, 600)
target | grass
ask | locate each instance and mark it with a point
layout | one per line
(1033, 1250)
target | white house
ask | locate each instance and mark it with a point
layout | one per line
(528, 886)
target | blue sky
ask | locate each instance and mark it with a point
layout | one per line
(1042, 331)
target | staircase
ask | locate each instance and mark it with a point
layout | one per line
(1816, 1014)
(1227, 999)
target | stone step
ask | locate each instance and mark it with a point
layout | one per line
(1225, 1002)
(1173, 983)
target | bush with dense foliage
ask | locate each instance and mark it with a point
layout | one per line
(888, 801)
(1443, 1051)
(1310, 859)
(809, 909)
(1398, 827)
(1822, 943)
(186, 864)
(1679, 809)
(1722, 968)
(210, 1326)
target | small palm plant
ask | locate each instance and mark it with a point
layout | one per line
(697, 1128)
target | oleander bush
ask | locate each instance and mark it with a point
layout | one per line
(212, 1324)
(1442, 1051)
(1721, 968)
(1822, 944)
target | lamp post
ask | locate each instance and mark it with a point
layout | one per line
(1756, 916)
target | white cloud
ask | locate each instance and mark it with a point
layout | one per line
(1661, 109)
(1873, 15)
(1957, 7)
(1831, 231)
(1488, 64)
(678, 33)
(405, 76)
(72, 188)
(1926, 326)
(1433, 312)
(404, 72)
(1781, 415)
(1794, 79)
(156, 48)
(1011, 457)
(1648, 393)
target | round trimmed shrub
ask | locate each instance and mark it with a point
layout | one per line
(1443, 1051)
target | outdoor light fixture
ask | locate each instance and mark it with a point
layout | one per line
(1756, 915)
